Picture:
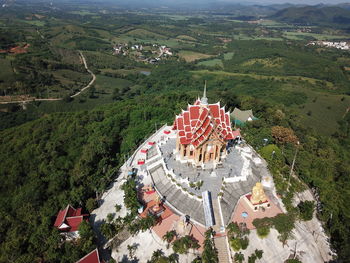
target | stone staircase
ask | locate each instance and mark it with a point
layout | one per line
(220, 240)
(221, 246)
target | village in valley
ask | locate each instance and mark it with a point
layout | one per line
(148, 53)
(195, 190)
(342, 45)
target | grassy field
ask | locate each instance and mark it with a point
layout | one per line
(266, 62)
(228, 55)
(6, 72)
(82, 13)
(185, 37)
(245, 37)
(108, 84)
(322, 111)
(190, 56)
(212, 63)
(104, 87)
(68, 76)
(125, 71)
(256, 76)
(144, 34)
(34, 22)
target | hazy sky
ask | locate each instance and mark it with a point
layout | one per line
(174, 2)
(311, 2)
(303, 1)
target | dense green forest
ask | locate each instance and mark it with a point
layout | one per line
(65, 158)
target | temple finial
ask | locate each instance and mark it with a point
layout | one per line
(204, 99)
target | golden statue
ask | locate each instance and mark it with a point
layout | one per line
(156, 207)
(258, 194)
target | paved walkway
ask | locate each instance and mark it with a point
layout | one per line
(175, 197)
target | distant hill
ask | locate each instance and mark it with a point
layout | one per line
(314, 15)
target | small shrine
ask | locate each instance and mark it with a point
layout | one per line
(157, 209)
(203, 132)
(257, 199)
(68, 221)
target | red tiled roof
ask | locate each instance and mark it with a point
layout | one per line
(74, 222)
(198, 122)
(71, 217)
(92, 257)
(60, 218)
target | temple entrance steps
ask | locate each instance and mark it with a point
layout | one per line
(221, 246)
(220, 239)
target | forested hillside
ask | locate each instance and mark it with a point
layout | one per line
(314, 15)
(65, 158)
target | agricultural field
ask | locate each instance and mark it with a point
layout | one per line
(228, 55)
(190, 56)
(312, 36)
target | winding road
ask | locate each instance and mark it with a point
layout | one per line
(56, 99)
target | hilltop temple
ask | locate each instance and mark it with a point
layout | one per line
(203, 132)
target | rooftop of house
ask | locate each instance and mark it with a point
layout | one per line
(241, 115)
(92, 257)
(69, 219)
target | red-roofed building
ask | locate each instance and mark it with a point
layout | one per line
(68, 221)
(92, 257)
(203, 131)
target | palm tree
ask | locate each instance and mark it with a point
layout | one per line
(239, 257)
(169, 237)
(157, 254)
(173, 258)
(258, 253)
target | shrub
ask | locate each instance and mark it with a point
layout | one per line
(118, 208)
(263, 231)
(236, 244)
(91, 204)
(244, 243)
(306, 210)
